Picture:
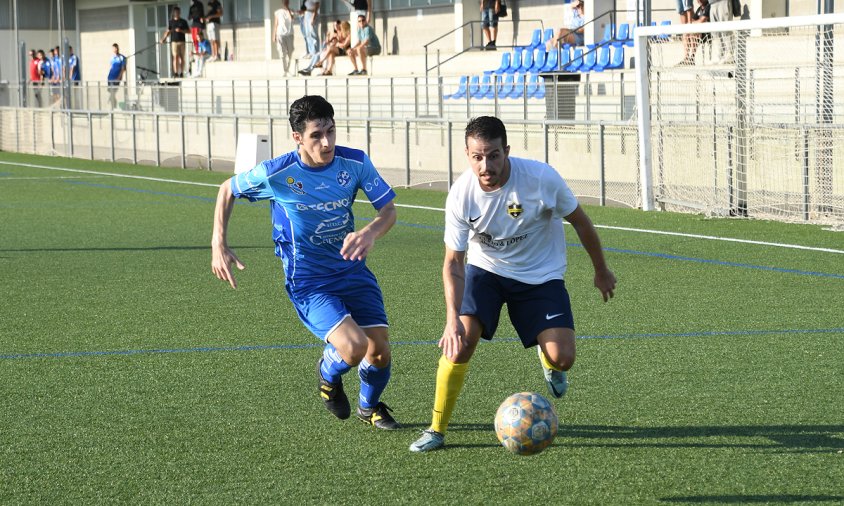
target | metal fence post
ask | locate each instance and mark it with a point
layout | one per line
(367, 125)
(407, 151)
(182, 133)
(449, 128)
(157, 140)
(208, 138)
(602, 175)
(134, 140)
(90, 136)
(111, 130)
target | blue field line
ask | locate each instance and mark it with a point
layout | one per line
(440, 228)
(430, 342)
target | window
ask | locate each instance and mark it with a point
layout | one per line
(246, 11)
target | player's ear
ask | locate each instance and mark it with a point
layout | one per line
(297, 137)
(506, 150)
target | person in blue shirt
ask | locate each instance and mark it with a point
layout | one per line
(311, 192)
(74, 73)
(116, 72)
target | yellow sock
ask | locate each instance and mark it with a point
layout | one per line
(449, 382)
(545, 362)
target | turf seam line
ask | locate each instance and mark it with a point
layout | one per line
(270, 347)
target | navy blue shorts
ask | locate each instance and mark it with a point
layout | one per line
(532, 308)
(323, 306)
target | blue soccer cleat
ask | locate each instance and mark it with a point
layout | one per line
(430, 440)
(557, 381)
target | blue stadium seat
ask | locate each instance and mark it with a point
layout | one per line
(536, 87)
(589, 59)
(623, 35)
(460, 92)
(551, 61)
(474, 85)
(527, 60)
(608, 35)
(575, 62)
(631, 38)
(549, 34)
(536, 39)
(518, 87)
(515, 61)
(539, 60)
(603, 60)
(483, 89)
(505, 64)
(506, 86)
(617, 60)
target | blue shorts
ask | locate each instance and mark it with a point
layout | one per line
(684, 6)
(532, 308)
(489, 18)
(323, 306)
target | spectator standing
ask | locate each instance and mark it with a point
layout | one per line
(359, 8)
(309, 30)
(368, 45)
(58, 74)
(196, 15)
(35, 76)
(489, 21)
(46, 69)
(202, 56)
(212, 26)
(116, 73)
(177, 27)
(574, 33)
(73, 70)
(701, 15)
(283, 34)
(685, 8)
(722, 11)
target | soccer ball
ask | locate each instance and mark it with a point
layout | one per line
(526, 423)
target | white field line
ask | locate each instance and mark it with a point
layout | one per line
(608, 227)
(45, 178)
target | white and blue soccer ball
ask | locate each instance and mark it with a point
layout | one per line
(526, 423)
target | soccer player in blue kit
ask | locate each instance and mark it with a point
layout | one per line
(311, 192)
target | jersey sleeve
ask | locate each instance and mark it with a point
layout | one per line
(378, 191)
(252, 184)
(456, 235)
(559, 193)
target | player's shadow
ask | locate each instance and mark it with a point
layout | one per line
(754, 498)
(787, 438)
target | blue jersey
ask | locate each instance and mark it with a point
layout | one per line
(46, 69)
(73, 63)
(118, 62)
(311, 208)
(57, 66)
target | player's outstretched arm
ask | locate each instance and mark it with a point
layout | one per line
(604, 278)
(454, 282)
(358, 244)
(221, 256)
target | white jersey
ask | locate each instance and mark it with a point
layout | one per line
(515, 231)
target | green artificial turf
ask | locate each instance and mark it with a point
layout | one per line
(129, 373)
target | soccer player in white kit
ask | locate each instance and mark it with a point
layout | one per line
(504, 243)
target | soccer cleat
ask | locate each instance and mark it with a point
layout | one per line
(379, 417)
(557, 381)
(333, 396)
(430, 440)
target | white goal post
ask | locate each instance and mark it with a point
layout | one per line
(743, 118)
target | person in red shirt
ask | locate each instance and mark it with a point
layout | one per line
(35, 75)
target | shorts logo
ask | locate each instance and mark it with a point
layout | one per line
(294, 185)
(514, 210)
(343, 178)
(552, 316)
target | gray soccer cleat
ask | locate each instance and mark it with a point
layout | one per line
(557, 381)
(430, 440)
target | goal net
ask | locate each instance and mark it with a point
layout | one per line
(744, 117)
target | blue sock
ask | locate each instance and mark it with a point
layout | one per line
(373, 381)
(333, 365)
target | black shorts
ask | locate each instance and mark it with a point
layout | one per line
(532, 308)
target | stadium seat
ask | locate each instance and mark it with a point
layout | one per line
(549, 34)
(608, 35)
(515, 61)
(539, 60)
(527, 60)
(505, 64)
(494, 82)
(536, 87)
(474, 86)
(603, 60)
(576, 61)
(623, 35)
(483, 89)
(518, 87)
(551, 61)
(460, 92)
(506, 86)
(536, 39)
(630, 39)
(589, 59)
(617, 60)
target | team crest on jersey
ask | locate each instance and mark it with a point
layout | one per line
(514, 209)
(296, 186)
(343, 178)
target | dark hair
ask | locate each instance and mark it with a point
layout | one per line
(115, 45)
(309, 108)
(487, 128)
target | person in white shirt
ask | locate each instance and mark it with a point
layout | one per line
(504, 243)
(283, 34)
